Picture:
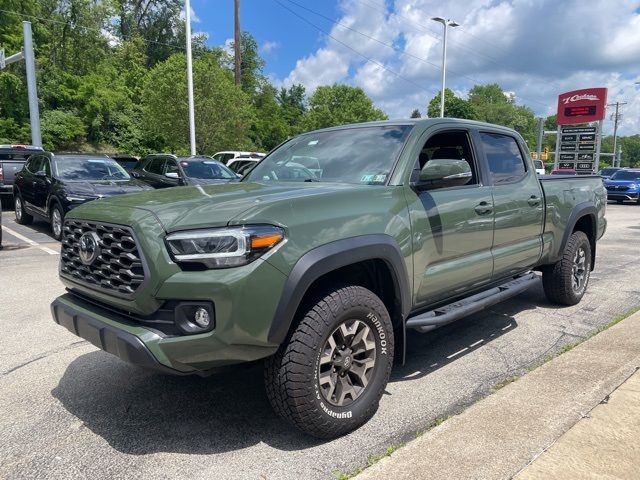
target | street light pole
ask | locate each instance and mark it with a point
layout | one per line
(445, 23)
(192, 121)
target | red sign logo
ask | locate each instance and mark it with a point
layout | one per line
(581, 106)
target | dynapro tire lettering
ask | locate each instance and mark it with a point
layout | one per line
(381, 333)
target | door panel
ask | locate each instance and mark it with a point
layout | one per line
(518, 204)
(41, 187)
(452, 227)
(452, 242)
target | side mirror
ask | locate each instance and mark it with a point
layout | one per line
(40, 174)
(172, 175)
(442, 173)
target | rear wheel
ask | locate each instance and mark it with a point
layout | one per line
(329, 378)
(22, 217)
(56, 221)
(566, 281)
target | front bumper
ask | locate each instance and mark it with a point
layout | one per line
(623, 195)
(144, 346)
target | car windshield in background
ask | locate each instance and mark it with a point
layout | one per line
(87, 169)
(206, 169)
(360, 155)
(128, 164)
(626, 175)
(606, 172)
(538, 164)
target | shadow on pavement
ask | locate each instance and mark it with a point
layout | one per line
(139, 412)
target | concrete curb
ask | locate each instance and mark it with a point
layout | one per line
(504, 432)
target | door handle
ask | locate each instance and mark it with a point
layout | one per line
(534, 201)
(483, 208)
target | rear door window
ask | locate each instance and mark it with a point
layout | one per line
(506, 163)
(35, 164)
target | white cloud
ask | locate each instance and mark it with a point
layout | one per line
(194, 18)
(535, 49)
(269, 46)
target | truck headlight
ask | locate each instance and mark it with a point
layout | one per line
(223, 247)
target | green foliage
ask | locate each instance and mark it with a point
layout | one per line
(416, 113)
(630, 150)
(454, 107)
(294, 105)
(223, 113)
(61, 130)
(338, 105)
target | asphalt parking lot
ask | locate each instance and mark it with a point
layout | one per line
(72, 411)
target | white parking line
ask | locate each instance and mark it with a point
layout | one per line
(458, 352)
(29, 241)
(477, 343)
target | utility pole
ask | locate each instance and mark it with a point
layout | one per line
(236, 46)
(192, 120)
(616, 118)
(540, 134)
(445, 23)
(32, 91)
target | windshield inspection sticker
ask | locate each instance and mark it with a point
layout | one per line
(373, 178)
(312, 142)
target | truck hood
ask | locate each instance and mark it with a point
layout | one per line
(183, 208)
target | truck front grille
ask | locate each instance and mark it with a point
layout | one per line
(118, 268)
(618, 188)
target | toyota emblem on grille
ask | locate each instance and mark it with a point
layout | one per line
(88, 247)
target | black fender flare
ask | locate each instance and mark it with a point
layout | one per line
(583, 209)
(329, 257)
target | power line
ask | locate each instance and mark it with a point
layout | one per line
(353, 50)
(74, 25)
(423, 28)
(389, 45)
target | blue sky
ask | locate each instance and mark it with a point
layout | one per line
(390, 48)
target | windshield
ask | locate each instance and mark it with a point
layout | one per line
(626, 175)
(87, 168)
(207, 169)
(360, 155)
(607, 172)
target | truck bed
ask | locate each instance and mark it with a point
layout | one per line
(563, 198)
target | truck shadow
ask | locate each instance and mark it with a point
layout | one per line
(140, 412)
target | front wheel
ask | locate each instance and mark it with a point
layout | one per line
(329, 378)
(566, 281)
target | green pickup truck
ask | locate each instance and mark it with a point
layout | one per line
(322, 257)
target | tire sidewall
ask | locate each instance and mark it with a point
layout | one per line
(581, 242)
(55, 206)
(359, 410)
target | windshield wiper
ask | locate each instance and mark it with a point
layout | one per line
(311, 180)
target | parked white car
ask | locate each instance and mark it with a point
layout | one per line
(226, 156)
(539, 166)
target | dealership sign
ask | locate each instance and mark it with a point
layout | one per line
(581, 106)
(579, 117)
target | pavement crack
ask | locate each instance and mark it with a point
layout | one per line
(45, 355)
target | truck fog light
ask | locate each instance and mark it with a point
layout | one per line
(195, 317)
(201, 317)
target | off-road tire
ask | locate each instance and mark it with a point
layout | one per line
(291, 375)
(557, 279)
(22, 217)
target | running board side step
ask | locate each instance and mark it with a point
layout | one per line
(433, 319)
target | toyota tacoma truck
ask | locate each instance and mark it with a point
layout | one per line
(400, 225)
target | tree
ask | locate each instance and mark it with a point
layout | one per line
(493, 105)
(338, 105)
(271, 127)
(223, 112)
(416, 114)
(293, 101)
(61, 130)
(454, 106)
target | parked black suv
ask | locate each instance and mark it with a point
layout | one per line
(12, 159)
(167, 170)
(51, 185)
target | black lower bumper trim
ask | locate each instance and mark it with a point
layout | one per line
(124, 345)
